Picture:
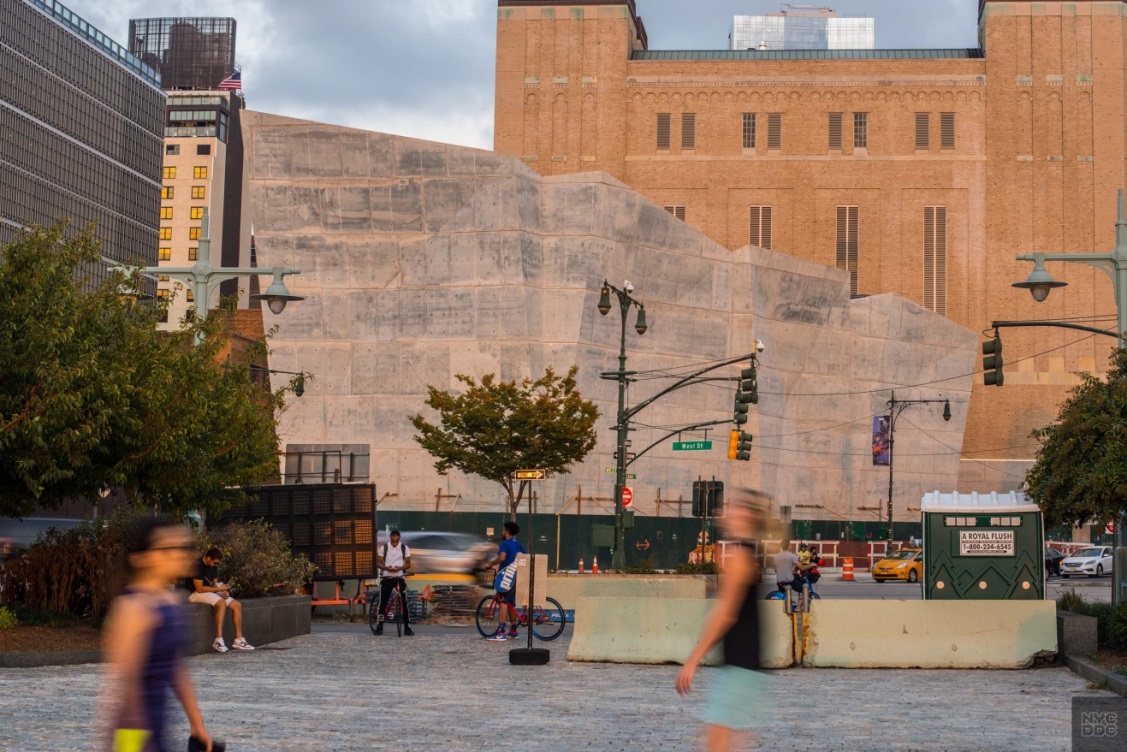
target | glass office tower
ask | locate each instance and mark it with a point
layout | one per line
(815, 29)
(81, 132)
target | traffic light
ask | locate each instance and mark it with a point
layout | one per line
(734, 444)
(992, 361)
(747, 393)
(743, 447)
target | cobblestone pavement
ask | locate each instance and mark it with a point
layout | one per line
(350, 691)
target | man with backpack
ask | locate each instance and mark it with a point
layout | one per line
(393, 559)
(506, 581)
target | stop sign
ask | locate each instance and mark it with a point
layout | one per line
(627, 496)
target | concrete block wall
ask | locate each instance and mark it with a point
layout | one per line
(422, 261)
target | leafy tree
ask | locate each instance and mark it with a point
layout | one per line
(1080, 475)
(495, 428)
(92, 396)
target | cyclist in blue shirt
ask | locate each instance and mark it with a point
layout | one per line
(506, 582)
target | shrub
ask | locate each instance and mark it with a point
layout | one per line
(709, 567)
(257, 560)
(76, 573)
(645, 566)
(1070, 600)
(7, 618)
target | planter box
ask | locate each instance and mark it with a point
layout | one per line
(265, 620)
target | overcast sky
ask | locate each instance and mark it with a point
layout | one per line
(424, 68)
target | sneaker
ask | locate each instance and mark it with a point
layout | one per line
(498, 636)
(219, 646)
(379, 628)
(513, 635)
(408, 631)
(241, 644)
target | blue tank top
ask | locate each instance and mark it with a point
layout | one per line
(146, 706)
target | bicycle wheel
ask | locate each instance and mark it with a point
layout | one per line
(548, 623)
(374, 611)
(488, 616)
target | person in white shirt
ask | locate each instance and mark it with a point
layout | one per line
(394, 560)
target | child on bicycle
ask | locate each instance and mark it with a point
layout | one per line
(506, 581)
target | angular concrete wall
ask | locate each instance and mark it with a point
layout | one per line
(423, 260)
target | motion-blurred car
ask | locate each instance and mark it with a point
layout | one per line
(439, 552)
(17, 534)
(1053, 558)
(1094, 562)
(906, 564)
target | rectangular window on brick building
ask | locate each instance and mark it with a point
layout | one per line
(197, 212)
(923, 131)
(688, 130)
(166, 192)
(749, 130)
(166, 212)
(164, 254)
(199, 173)
(193, 233)
(847, 243)
(774, 130)
(663, 131)
(193, 254)
(860, 130)
(935, 259)
(166, 233)
(835, 131)
(677, 211)
(947, 130)
(199, 191)
(169, 173)
(760, 226)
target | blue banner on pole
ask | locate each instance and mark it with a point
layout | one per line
(880, 440)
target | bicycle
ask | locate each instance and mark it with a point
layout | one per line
(805, 592)
(395, 610)
(547, 623)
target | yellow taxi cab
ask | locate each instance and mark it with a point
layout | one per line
(906, 564)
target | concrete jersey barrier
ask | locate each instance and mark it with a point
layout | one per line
(835, 634)
(664, 630)
(929, 634)
(568, 589)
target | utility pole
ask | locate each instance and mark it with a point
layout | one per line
(895, 407)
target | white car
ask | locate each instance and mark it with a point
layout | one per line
(1094, 562)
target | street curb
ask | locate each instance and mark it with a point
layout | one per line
(1113, 682)
(60, 658)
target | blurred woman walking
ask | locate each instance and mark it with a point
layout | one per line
(144, 637)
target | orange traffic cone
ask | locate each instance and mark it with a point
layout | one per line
(581, 566)
(594, 565)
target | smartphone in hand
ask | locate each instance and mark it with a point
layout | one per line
(195, 745)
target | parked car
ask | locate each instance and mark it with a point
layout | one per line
(17, 534)
(1053, 558)
(441, 552)
(1094, 562)
(906, 564)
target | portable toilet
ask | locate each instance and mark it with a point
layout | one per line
(982, 546)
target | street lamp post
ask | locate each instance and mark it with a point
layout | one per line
(1114, 264)
(204, 278)
(618, 555)
(895, 407)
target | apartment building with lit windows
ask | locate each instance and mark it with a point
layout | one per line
(202, 168)
(81, 131)
(921, 172)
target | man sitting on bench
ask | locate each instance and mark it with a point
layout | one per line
(204, 587)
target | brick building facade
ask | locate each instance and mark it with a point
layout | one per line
(922, 172)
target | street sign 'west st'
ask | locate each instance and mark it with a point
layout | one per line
(691, 446)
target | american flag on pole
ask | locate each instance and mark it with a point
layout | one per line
(233, 81)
